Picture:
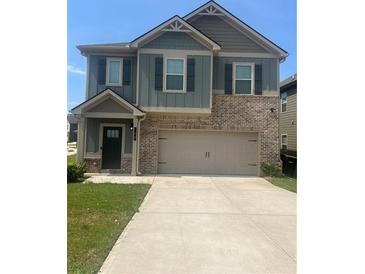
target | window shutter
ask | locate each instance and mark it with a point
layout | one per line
(228, 79)
(127, 72)
(101, 71)
(190, 80)
(258, 79)
(158, 73)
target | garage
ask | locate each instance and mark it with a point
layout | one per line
(207, 152)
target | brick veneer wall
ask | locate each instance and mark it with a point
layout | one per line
(94, 165)
(230, 113)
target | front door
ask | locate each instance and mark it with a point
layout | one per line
(112, 147)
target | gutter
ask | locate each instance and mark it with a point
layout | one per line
(138, 141)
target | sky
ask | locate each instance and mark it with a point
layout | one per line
(113, 21)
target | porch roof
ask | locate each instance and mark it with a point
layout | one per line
(87, 108)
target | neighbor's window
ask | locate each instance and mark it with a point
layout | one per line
(114, 71)
(175, 74)
(243, 78)
(284, 101)
(284, 142)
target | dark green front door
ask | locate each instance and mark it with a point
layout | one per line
(112, 147)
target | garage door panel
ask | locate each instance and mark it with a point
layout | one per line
(209, 152)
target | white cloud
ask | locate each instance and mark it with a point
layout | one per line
(76, 70)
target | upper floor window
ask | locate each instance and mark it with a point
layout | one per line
(175, 75)
(243, 78)
(114, 73)
(283, 101)
(284, 141)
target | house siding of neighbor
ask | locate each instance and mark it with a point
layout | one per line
(288, 124)
(195, 94)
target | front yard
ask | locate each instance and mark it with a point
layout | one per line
(96, 216)
(285, 182)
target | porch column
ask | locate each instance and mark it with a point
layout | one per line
(134, 147)
(81, 139)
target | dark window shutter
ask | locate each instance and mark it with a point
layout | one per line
(158, 73)
(228, 79)
(101, 71)
(127, 72)
(258, 79)
(190, 80)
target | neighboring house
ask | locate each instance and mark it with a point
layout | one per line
(195, 94)
(71, 128)
(288, 124)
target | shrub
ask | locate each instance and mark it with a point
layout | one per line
(271, 170)
(75, 171)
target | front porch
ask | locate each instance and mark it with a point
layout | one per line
(108, 134)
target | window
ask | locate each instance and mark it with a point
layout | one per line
(283, 101)
(114, 71)
(243, 78)
(284, 142)
(112, 133)
(175, 68)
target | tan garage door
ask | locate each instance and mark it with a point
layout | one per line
(207, 152)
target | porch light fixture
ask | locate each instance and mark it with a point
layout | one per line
(131, 126)
(272, 109)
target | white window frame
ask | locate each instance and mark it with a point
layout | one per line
(120, 83)
(165, 75)
(252, 65)
(282, 102)
(281, 141)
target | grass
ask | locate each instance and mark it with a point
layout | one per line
(71, 159)
(96, 216)
(285, 182)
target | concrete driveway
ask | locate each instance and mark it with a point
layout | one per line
(205, 224)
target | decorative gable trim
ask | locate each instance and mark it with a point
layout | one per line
(175, 24)
(213, 9)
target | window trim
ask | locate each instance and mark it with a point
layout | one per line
(281, 102)
(120, 83)
(164, 89)
(252, 65)
(281, 141)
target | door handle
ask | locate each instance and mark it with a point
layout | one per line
(101, 148)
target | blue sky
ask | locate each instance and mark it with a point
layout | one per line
(108, 21)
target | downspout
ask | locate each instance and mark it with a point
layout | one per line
(138, 141)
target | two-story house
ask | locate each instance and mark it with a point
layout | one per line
(195, 94)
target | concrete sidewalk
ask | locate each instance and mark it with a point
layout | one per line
(206, 224)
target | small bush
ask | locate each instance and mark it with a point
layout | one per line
(75, 171)
(271, 170)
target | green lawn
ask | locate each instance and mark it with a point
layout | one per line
(71, 159)
(285, 182)
(96, 215)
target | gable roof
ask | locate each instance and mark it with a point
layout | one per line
(175, 23)
(213, 8)
(107, 93)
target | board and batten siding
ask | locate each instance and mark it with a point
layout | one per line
(175, 40)
(97, 76)
(149, 97)
(269, 73)
(229, 38)
(93, 127)
(288, 120)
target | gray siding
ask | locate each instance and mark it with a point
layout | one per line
(95, 86)
(269, 73)
(228, 37)
(109, 105)
(175, 40)
(149, 97)
(288, 120)
(92, 138)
